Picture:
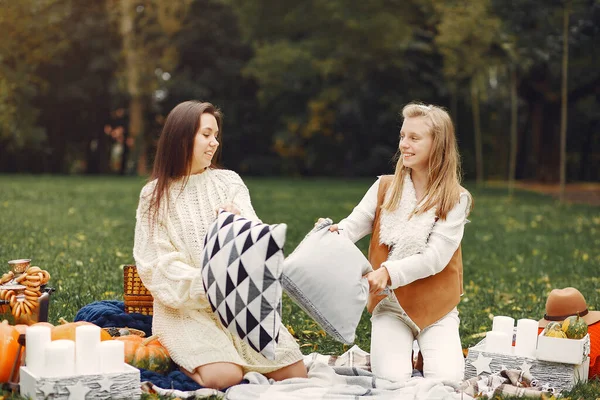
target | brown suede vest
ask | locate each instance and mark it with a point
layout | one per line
(425, 300)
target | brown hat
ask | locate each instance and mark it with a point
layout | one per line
(563, 303)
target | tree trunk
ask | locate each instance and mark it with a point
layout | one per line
(477, 129)
(136, 130)
(454, 105)
(58, 145)
(132, 72)
(563, 105)
(512, 167)
(587, 150)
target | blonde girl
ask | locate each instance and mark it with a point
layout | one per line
(416, 218)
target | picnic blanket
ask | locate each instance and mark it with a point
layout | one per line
(326, 382)
(346, 376)
(341, 377)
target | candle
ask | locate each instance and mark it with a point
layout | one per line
(527, 333)
(498, 342)
(87, 339)
(112, 356)
(504, 324)
(59, 358)
(36, 339)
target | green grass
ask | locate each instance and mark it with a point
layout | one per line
(514, 251)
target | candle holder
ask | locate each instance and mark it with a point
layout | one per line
(19, 266)
(558, 375)
(117, 385)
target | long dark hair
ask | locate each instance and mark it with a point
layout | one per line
(174, 152)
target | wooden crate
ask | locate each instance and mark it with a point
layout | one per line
(119, 385)
(571, 351)
(560, 376)
(138, 298)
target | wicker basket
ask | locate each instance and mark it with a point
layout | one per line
(137, 298)
(132, 331)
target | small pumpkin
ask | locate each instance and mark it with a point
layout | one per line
(9, 347)
(66, 330)
(556, 333)
(575, 327)
(146, 353)
(552, 325)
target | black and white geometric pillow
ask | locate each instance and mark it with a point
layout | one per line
(242, 262)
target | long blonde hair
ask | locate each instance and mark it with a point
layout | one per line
(443, 179)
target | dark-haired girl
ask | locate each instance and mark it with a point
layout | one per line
(175, 210)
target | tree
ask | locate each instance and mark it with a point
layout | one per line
(209, 68)
(80, 95)
(514, 105)
(564, 100)
(147, 28)
(27, 42)
(468, 39)
(333, 78)
(537, 40)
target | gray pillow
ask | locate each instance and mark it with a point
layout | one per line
(324, 276)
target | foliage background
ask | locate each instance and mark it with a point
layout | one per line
(308, 88)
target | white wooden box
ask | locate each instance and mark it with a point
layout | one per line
(118, 385)
(560, 376)
(570, 351)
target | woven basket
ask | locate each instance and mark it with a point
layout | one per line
(137, 298)
(132, 331)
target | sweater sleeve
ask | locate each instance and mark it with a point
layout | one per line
(164, 269)
(239, 194)
(360, 222)
(441, 245)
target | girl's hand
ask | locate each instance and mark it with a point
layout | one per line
(378, 280)
(230, 208)
(332, 228)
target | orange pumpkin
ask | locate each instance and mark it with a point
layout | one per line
(66, 330)
(146, 353)
(9, 347)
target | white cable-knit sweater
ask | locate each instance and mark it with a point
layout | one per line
(168, 258)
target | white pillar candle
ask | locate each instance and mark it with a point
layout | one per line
(504, 324)
(527, 334)
(36, 339)
(87, 339)
(498, 342)
(59, 358)
(112, 356)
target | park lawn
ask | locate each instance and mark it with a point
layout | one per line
(515, 251)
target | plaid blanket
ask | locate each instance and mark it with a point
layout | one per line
(343, 383)
(347, 376)
(509, 382)
(355, 357)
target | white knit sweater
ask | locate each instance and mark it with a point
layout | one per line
(168, 258)
(420, 245)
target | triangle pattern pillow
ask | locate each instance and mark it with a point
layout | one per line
(242, 262)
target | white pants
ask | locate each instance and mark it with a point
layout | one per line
(392, 344)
